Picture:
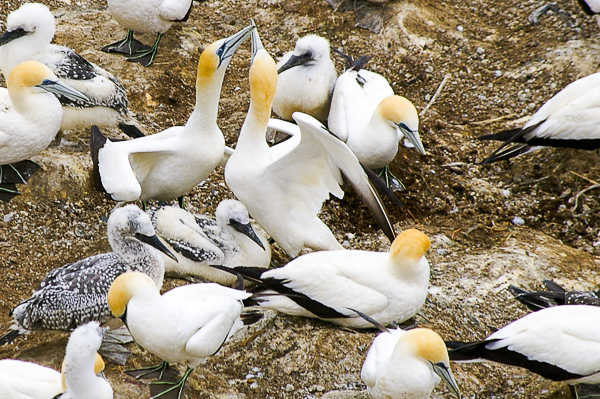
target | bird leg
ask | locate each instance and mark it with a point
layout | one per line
(174, 390)
(127, 46)
(181, 201)
(150, 372)
(8, 191)
(391, 181)
(146, 56)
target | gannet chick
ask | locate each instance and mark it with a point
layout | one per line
(29, 31)
(186, 324)
(296, 175)
(305, 80)
(554, 296)
(569, 119)
(388, 287)
(199, 241)
(159, 166)
(75, 294)
(148, 16)
(29, 118)
(561, 343)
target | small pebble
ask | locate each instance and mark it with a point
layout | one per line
(459, 28)
(518, 221)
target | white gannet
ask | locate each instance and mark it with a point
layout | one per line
(75, 294)
(367, 115)
(591, 7)
(147, 16)
(199, 241)
(296, 176)
(561, 343)
(168, 164)
(30, 116)
(186, 324)
(29, 31)
(305, 80)
(554, 296)
(388, 287)
(569, 119)
(81, 370)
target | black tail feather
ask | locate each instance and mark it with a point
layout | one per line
(375, 323)
(553, 287)
(504, 135)
(352, 63)
(250, 317)
(508, 153)
(537, 300)
(9, 337)
(131, 130)
(97, 141)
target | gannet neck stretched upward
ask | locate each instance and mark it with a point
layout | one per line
(305, 80)
(297, 175)
(186, 324)
(75, 294)
(554, 296)
(199, 241)
(29, 31)
(168, 164)
(389, 287)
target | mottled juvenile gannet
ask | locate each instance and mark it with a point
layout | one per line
(199, 241)
(305, 80)
(75, 294)
(168, 164)
(29, 31)
(146, 16)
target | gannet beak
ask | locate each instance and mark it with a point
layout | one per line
(256, 43)
(446, 375)
(247, 230)
(155, 242)
(101, 374)
(413, 137)
(232, 43)
(59, 88)
(295, 61)
(9, 36)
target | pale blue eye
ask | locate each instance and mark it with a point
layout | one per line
(220, 51)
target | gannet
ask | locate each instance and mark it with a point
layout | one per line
(555, 296)
(75, 294)
(168, 164)
(81, 371)
(29, 31)
(199, 241)
(561, 343)
(367, 115)
(296, 176)
(591, 7)
(186, 324)
(569, 119)
(30, 116)
(148, 16)
(388, 287)
(305, 80)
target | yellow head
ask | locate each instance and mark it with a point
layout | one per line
(399, 110)
(410, 245)
(28, 74)
(263, 81)
(208, 64)
(124, 288)
(98, 364)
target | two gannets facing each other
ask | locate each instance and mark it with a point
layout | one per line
(561, 343)
(75, 294)
(569, 119)
(199, 241)
(147, 16)
(30, 116)
(168, 164)
(186, 324)
(29, 31)
(389, 287)
(305, 81)
(554, 296)
(296, 175)
(81, 374)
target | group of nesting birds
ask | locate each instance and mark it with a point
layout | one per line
(51, 88)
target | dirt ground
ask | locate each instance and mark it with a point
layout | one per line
(500, 69)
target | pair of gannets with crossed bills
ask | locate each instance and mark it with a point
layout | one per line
(284, 186)
(388, 287)
(29, 31)
(80, 377)
(168, 164)
(186, 324)
(30, 116)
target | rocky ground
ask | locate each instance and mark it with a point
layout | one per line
(498, 69)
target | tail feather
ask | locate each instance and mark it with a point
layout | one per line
(511, 152)
(502, 136)
(354, 63)
(97, 141)
(9, 337)
(250, 317)
(553, 287)
(131, 130)
(537, 300)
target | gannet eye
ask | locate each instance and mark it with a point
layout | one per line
(220, 51)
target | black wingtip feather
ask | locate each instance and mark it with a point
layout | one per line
(249, 317)
(131, 130)
(9, 337)
(352, 63)
(381, 187)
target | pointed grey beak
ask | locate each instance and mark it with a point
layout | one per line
(9, 36)
(61, 89)
(247, 230)
(155, 242)
(296, 60)
(413, 137)
(256, 43)
(446, 375)
(232, 43)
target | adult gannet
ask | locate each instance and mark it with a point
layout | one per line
(555, 296)
(148, 16)
(186, 324)
(81, 372)
(296, 176)
(305, 80)
(561, 343)
(168, 164)
(30, 116)
(388, 287)
(29, 31)
(569, 119)
(199, 241)
(367, 115)
(75, 294)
